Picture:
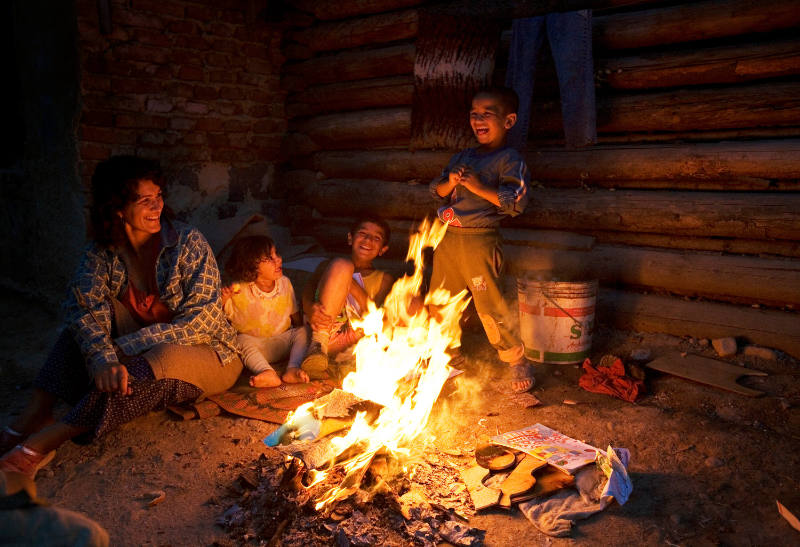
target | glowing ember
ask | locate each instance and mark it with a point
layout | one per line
(401, 363)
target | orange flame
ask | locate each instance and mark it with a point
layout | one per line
(401, 363)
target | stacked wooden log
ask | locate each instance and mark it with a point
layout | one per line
(692, 190)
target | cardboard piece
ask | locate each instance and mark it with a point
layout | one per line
(482, 496)
(712, 372)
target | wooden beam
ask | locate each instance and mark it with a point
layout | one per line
(705, 214)
(702, 66)
(344, 9)
(364, 128)
(679, 317)
(349, 65)
(745, 165)
(693, 21)
(754, 105)
(352, 95)
(350, 33)
(741, 279)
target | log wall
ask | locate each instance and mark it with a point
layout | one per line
(693, 189)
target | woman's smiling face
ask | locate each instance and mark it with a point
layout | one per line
(142, 215)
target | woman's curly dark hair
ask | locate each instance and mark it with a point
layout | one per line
(114, 185)
(247, 253)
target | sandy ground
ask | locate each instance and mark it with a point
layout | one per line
(707, 465)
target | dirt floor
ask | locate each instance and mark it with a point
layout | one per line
(707, 466)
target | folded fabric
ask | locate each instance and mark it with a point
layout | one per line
(555, 515)
(611, 380)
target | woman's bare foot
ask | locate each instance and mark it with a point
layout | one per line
(268, 378)
(295, 376)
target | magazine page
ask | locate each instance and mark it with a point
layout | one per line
(555, 448)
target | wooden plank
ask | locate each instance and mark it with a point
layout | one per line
(756, 215)
(703, 319)
(707, 371)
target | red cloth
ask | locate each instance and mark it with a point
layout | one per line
(611, 381)
(145, 308)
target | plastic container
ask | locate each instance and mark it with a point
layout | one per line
(556, 319)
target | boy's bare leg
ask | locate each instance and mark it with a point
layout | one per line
(333, 289)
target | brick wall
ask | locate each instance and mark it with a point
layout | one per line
(192, 83)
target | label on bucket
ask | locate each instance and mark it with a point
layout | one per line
(556, 320)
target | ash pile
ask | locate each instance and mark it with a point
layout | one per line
(421, 501)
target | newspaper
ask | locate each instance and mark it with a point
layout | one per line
(549, 445)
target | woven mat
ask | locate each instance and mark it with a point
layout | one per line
(271, 404)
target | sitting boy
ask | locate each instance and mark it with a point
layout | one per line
(340, 288)
(479, 187)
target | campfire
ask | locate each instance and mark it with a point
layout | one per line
(365, 449)
(360, 464)
(401, 365)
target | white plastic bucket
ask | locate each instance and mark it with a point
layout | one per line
(556, 319)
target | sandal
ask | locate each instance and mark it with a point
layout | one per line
(25, 461)
(523, 372)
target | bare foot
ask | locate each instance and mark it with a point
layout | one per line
(268, 378)
(295, 376)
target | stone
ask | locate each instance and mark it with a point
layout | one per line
(712, 461)
(759, 353)
(725, 347)
(640, 354)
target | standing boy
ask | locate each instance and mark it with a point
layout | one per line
(478, 188)
(340, 288)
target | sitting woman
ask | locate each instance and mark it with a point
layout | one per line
(145, 326)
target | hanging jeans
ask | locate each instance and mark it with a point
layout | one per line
(570, 37)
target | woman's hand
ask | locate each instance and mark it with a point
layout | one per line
(226, 293)
(319, 320)
(113, 377)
